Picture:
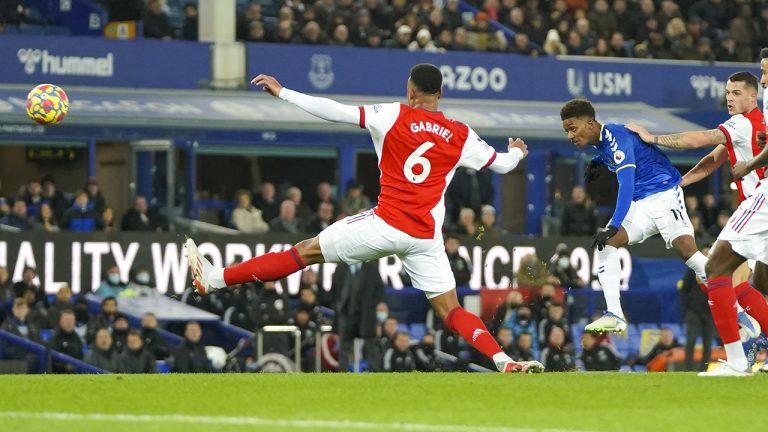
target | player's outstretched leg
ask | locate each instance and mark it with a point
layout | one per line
(609, 274)
(722, 301)
(472, 329)
(268, 267)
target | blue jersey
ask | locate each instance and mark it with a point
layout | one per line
(620, 148)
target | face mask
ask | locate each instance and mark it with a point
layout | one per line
(564, 262)
(142, 278)
(113, 278)
(381, 316)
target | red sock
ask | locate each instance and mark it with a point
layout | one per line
(722, 303)
(753, 302)
(268, 267)
(472, 329)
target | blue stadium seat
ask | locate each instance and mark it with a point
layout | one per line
(632, 330)
(622, 345)
(46, 334)
(418, 330)
(677, 329)
(162, 366)
(403, 327)
(641, 327)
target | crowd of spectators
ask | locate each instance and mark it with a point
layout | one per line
(705, 30)
(105, 340)
(40, 206)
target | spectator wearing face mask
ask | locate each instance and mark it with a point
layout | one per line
(141, 285)
(112, 285)
(521, 321)
(564, 271)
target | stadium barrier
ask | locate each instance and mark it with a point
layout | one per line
(46, 355)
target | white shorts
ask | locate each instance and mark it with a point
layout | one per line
(661, 213)
(366, 237)
(747, 229)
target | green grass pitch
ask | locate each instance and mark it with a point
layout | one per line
(455, 402)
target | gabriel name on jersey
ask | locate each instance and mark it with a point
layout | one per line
(620, 148)
(436, 129)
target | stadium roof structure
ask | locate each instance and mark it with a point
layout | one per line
(224, 118)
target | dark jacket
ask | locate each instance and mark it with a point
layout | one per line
(460, 269)
(66, 343)
(469, 188)
(40, 298)
(77, 219)
(426, 361)
(107, 360)
(24, 329)
(96, 323)
(691, 297)
(355, 298)
(155, 344)
(601, 358)
(11, 219)
(190, 358)
(556, 360)
(139, 361)
(132, 221)
(578, 220)
(398, 361)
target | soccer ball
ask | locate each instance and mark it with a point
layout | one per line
(47, 104)
(745, 333)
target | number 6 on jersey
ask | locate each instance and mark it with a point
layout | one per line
(417, 159)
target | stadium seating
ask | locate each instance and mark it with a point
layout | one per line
(418, 330)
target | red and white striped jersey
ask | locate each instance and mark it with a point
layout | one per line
(418, 154)
(741, 134)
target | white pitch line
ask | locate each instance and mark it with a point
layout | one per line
(257, 421)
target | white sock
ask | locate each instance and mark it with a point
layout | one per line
(609, 274)
(216, 278)
(736, 356)
(500, 358)
(697, 263)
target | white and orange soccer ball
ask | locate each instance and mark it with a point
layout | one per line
(47, 104)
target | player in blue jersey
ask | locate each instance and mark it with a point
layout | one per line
(649, 202)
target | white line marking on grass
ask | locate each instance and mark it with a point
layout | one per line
(257, 421)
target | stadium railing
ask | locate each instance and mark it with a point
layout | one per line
(46, 355)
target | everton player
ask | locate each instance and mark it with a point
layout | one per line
(649, 202)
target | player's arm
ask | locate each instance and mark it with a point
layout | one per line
(685, 140)
(626, 177)
(743, 168)
(323, 108)
(706, 166)
(503, 163)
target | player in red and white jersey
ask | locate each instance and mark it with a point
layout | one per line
(419, 150)
(735, 141)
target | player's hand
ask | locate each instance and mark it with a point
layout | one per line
(684, 182)
(592, 172)
(740, 170)
(268, 83)
(518, 143)
(761, 139)
(602, 237)
(641, 131)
